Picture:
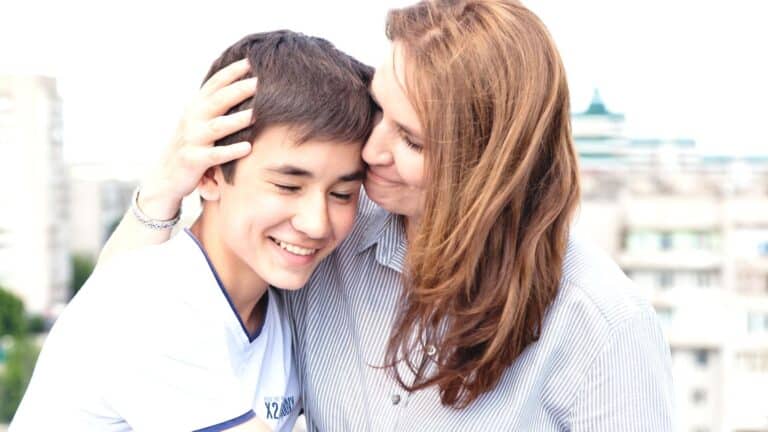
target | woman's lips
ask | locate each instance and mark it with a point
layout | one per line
(372, 174)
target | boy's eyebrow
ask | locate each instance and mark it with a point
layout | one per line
(291, 171)
(301, 172)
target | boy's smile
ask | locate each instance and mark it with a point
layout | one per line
(288, 206)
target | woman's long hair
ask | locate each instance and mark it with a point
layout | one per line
(489, 87)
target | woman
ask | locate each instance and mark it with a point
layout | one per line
(460, 301)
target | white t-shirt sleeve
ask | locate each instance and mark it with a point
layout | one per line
(124, 353)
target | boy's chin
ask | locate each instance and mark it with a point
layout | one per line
(289, 283)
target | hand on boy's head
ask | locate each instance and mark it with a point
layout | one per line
(192, 149)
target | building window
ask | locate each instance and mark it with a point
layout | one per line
(665, 279)
(699, 396)
(665, 315)
(762, 249)
(705, 240)
(665, 241)
(705, 279)
(757, 322)
(640, 240)
(701, 357)
(753, 361)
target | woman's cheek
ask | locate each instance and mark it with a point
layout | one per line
(411, 167)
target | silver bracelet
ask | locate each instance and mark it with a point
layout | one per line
(147, 221)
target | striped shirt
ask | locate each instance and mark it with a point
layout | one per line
(601, 363)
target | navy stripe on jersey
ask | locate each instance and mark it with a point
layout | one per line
(229, 423)
(251, 337)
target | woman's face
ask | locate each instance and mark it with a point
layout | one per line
(394, 152)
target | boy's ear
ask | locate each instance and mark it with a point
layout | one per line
(208, 187)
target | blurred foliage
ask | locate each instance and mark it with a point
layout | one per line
(14, 376)
(12, 319)
(36, 324)
(18, 352)
(82, 267)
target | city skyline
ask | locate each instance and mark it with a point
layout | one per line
(675, 69)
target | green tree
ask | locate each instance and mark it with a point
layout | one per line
(112, 227)
(20, 362)
(82, 267)
(36, 324)
(12, 319)
(19, 356)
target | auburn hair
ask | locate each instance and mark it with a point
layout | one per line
(488, 85)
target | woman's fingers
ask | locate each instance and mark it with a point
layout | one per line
(199, 159)
(227, 97)
(224, 154)
(220, 127)
(225, 76)
(192, 149)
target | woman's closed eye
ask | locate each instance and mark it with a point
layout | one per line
(409, 142)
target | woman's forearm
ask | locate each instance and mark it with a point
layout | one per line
(131, 233)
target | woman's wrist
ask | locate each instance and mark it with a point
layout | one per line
(158, 202)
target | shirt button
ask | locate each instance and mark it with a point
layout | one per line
(395, 399)
(431, 350)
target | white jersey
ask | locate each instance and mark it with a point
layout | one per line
(152, 343)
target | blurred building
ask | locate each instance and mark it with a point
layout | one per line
(100, 195)
(34, 254)
(692, 231)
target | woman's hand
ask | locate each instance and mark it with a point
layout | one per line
(190, 154)
(191, 151)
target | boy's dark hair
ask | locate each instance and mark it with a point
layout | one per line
(305, 83)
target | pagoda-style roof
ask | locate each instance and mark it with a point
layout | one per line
(597, 108)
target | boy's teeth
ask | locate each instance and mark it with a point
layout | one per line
(297, 250)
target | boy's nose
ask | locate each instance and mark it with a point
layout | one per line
(312, 219)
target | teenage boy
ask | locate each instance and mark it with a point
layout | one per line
(189, 335)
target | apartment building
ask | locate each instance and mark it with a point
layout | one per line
(101, 193)
(692, 231)
(34, 258)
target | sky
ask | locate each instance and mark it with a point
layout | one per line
(675, 68)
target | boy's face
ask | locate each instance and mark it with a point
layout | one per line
(288, 205)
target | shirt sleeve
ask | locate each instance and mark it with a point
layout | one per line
(629, 385)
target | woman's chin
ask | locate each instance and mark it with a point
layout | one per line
(399, 200)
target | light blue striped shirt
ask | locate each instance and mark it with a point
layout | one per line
(601, 364)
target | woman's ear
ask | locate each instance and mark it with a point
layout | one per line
(208, 187)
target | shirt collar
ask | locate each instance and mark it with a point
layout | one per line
(251, 336)
(386, 232)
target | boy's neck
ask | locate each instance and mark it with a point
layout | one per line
(244, 287)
